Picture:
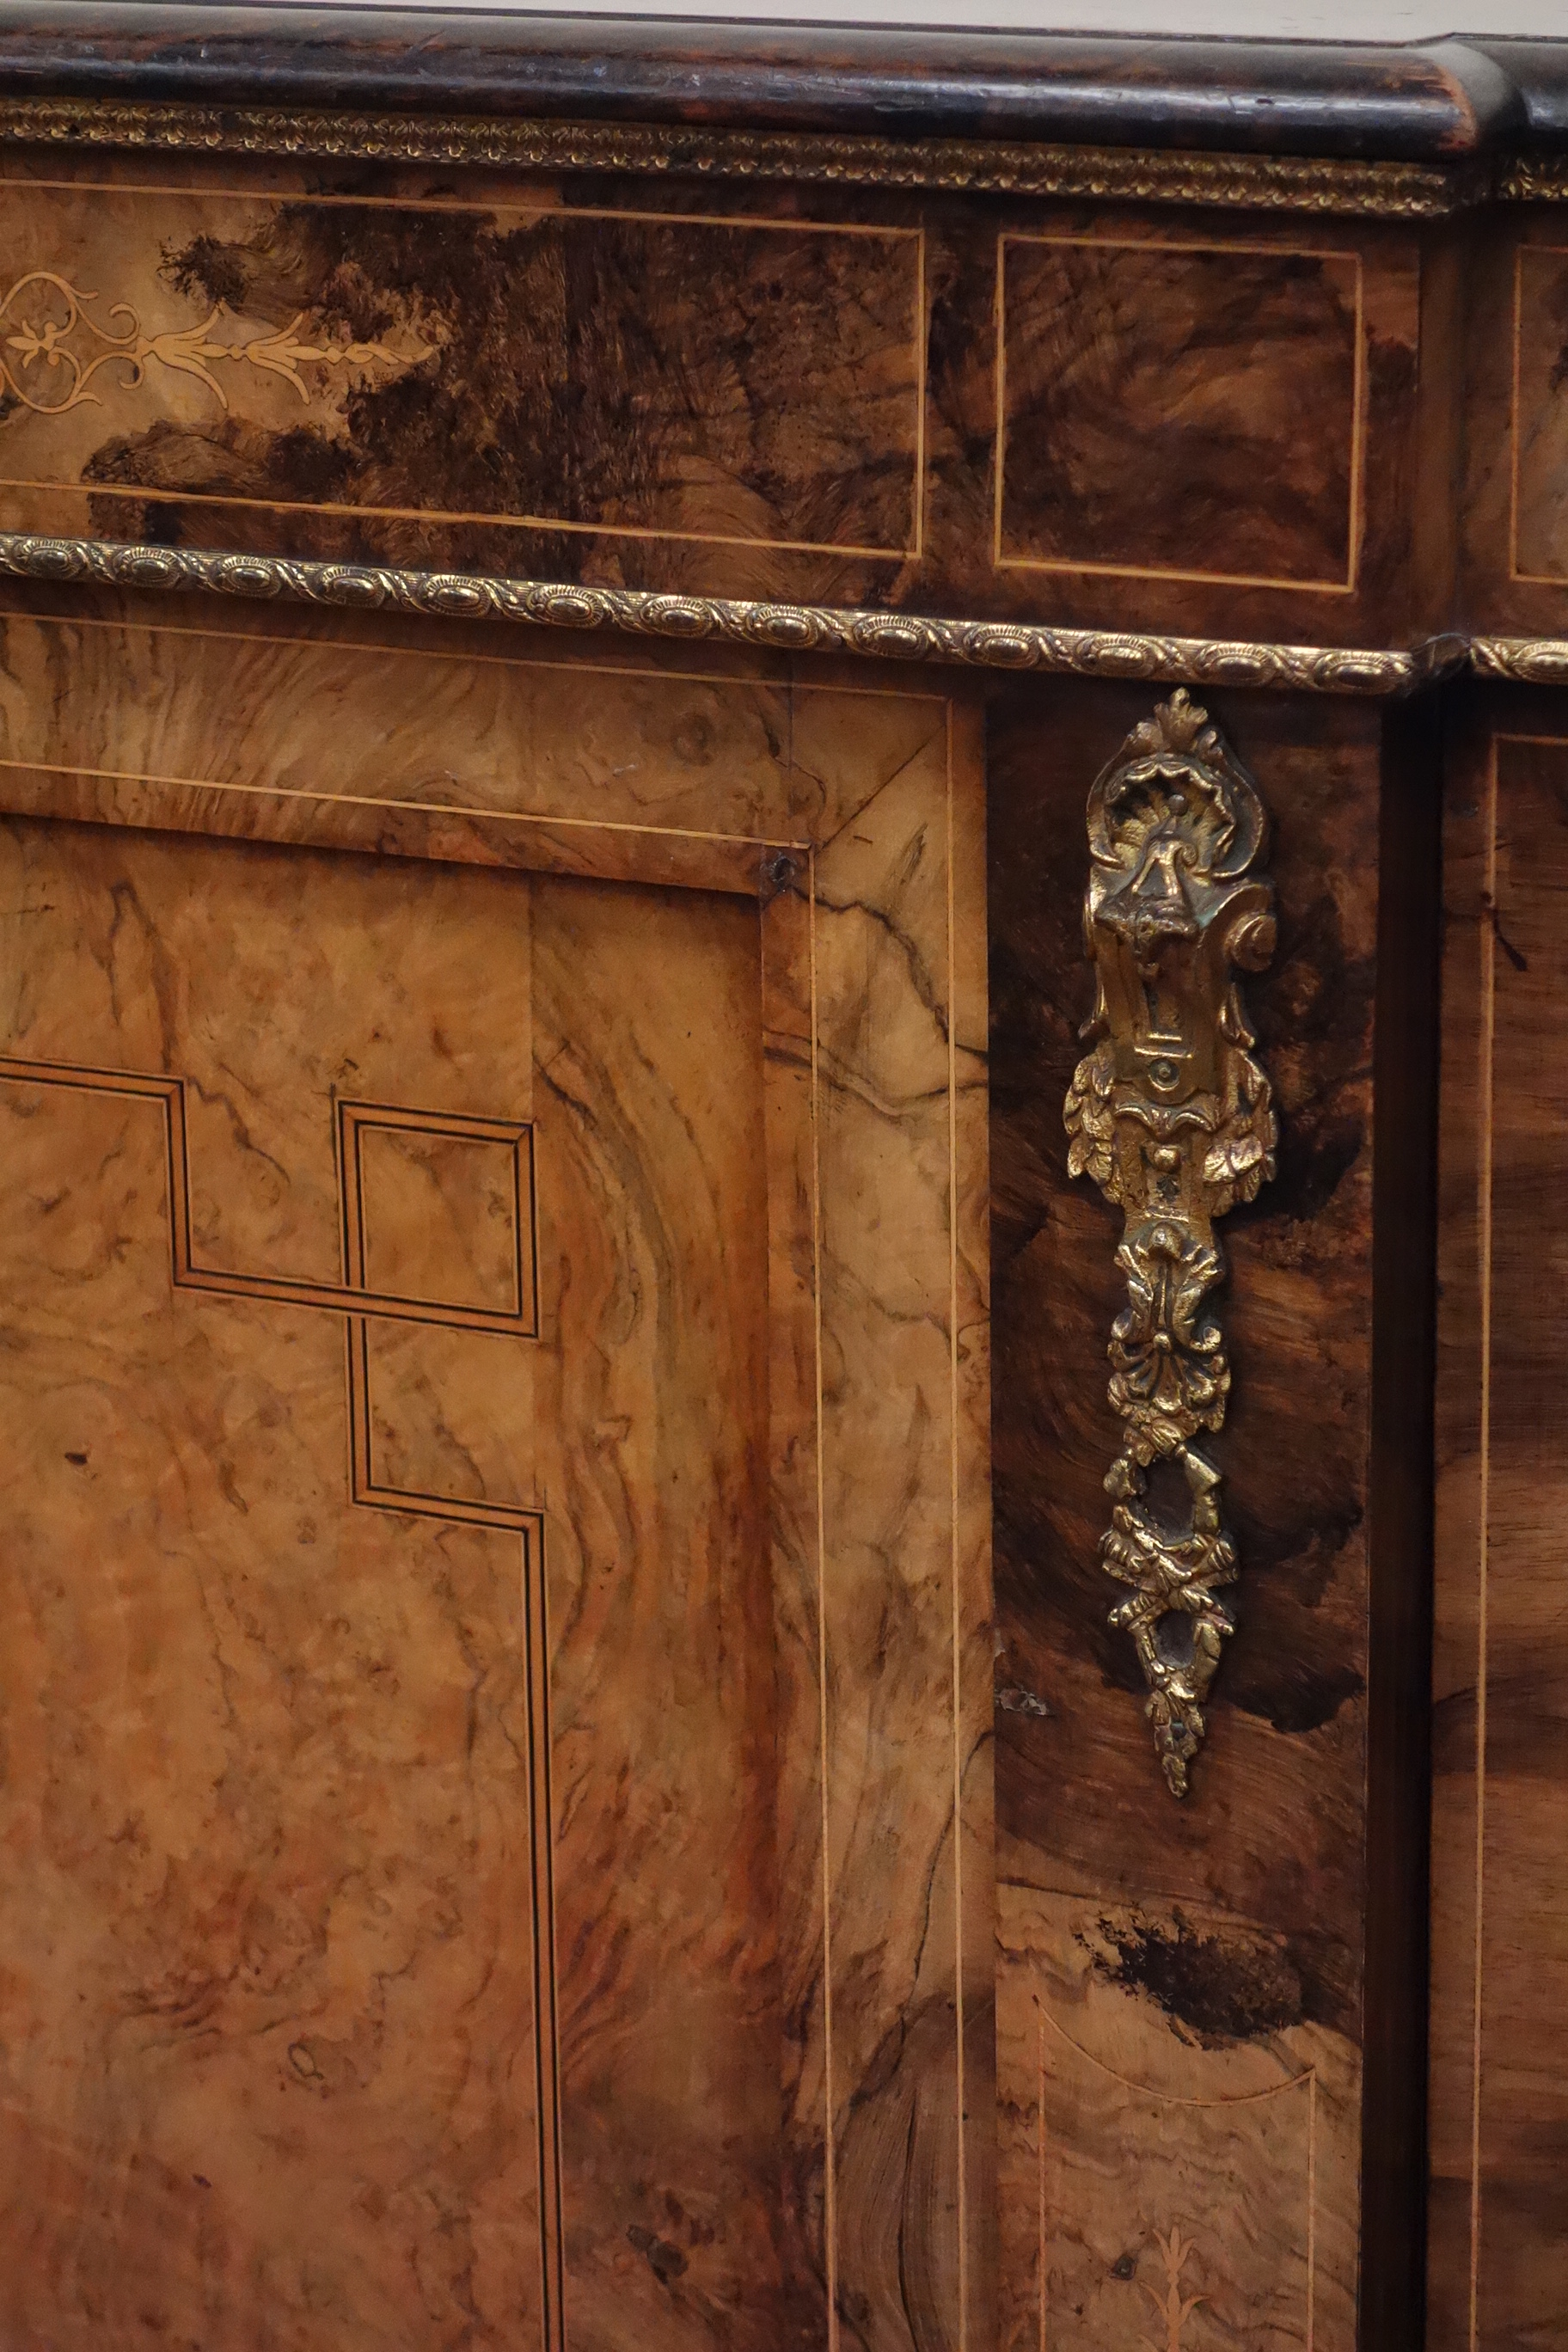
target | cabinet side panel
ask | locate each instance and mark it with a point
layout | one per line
(1499, 1979)
(1398, 1798)
(1182, 1985)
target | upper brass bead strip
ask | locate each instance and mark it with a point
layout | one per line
(778, 628)
(1291, 184)
(1535, 180)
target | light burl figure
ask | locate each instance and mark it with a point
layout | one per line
(1169, 1111)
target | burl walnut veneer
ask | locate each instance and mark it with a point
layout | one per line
(693, 721)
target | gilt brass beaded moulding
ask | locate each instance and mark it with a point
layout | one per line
(1343, 187)
(774, 627)
(1523, 661)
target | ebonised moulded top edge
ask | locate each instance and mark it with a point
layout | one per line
(1438, 102)
(1539, 72)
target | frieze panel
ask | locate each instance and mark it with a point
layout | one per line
(468, 377)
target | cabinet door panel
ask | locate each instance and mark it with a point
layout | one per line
(494, 1391)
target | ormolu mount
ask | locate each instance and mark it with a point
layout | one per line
(1169, 1112)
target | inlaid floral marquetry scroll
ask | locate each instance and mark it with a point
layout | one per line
(1169, 1111)
(58, 348)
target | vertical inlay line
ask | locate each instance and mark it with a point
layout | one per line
(547, 2005)
(1041, 2157)
(1358, 430)
(829, 2186)
(1489, 919)
(956, 1564)
(922, 336)
(1311, 2203)
(999, 460)
(1514, 573)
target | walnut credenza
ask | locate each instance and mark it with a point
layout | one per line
(785, 1081)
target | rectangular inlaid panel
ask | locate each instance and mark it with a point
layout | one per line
(1179, 411)
(1505, 351)
(478, 383)
(1185, 1988)
(1539, 500)
(1172, 2147)
(501, 1781)
(1500, 1945)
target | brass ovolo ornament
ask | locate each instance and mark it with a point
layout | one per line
(1169, 1111)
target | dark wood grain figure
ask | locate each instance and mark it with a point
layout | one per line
(630, 380)
(1152, 407)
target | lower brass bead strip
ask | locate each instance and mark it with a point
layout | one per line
(1527, 661)
(774, 627)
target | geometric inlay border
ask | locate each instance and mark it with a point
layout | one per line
(360, 1306)
(356, 1120)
